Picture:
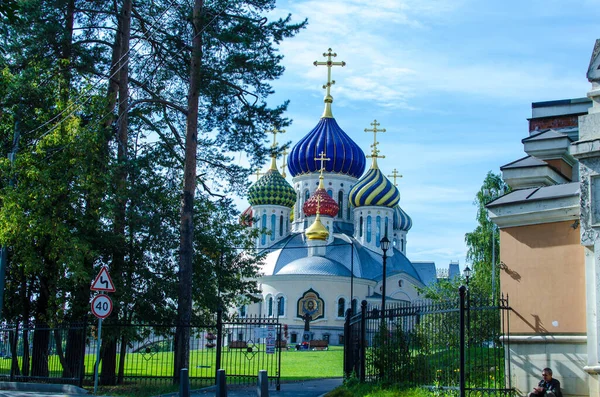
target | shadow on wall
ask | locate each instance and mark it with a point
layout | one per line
(536, 326)
(511, 273)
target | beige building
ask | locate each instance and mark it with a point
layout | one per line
(549, 224)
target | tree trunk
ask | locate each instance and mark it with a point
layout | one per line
(186, 249)
(109, 357)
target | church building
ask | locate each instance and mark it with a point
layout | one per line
(327, 233)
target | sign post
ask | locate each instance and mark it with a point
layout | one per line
(101, 307)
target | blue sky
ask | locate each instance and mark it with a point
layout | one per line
(452, 81)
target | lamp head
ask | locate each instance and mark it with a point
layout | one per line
(467, 273)
(385, 243)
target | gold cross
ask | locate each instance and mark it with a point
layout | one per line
(374, 130)
(258, 174)
(318, 200)
(329, 63)
(322, 159)
(375, 154)
(284, 163)
(395, 175)
(275, 131)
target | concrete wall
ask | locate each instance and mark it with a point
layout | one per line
(565, 355)
(543, 272)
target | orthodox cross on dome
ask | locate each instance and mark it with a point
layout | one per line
(329, 63)
(375, 155)
(275, 131)
(284, 163)
(395, 175)
(258, 174)
(318, 199)
(322, 159)
(374, 130)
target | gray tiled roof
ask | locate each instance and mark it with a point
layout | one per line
(426, 272)
(549, 134)
(537, 193)
(528, 161)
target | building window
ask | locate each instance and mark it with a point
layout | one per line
(369, 229)
(330, 193)
(326, 337)
(263, 235)
(306, 195)
(360, 227)
(280, 225)
(293, 338)
(400, 283)
(402, 245)
(240, 336)
(341, 307)
(340, 204)
(280, 306)
(273, 221)
(378, 231)
(243, 311)
(270, 306)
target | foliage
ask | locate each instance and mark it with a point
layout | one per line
(479, 241)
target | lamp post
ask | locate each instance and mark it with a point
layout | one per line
(385, 245)
(467, 273)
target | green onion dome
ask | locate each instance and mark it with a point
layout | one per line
(272, 189)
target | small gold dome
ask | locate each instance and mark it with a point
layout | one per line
(317, 231)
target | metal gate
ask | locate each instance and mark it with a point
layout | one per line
(250, 345)
(440, 345)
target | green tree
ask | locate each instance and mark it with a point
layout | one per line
(484, 238)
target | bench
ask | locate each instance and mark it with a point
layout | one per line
(281, 344)
(237, 344)
(318, 345)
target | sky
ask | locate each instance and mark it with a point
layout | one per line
(452, 82)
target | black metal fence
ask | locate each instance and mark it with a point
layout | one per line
(420, 344)
(140, 353)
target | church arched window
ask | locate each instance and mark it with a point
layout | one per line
(340, 204)
(273, 221)
(341, 307)
(330, 193)
(280, 225)
(242, 311)
(263, 234)
(306, 195)
(369, 229)
(386, 226)
(377, 230)
(360, 227)
(270, 306)
(280, 306)
(402, 245)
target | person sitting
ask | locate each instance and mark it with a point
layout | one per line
(548, 386)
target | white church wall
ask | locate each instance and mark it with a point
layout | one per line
(274, 221)
(371, 224)
(293, 287)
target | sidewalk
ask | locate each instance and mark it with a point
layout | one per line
(311, 388)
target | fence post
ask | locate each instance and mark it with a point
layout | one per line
(82, 358)
(348, 360)
(184, 383)
(461, 322)
(221, 383)
(363, 338)
(219, 340)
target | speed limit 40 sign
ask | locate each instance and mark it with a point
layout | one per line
(102, 306)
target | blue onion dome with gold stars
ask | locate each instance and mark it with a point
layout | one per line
(374, 189)
(272, 189)
(346, 156)
(401, 219)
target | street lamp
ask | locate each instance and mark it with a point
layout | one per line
(385, 245)
(467, 273)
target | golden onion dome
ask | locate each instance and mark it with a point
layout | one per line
(317, 231)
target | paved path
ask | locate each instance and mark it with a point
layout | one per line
(312, 388)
